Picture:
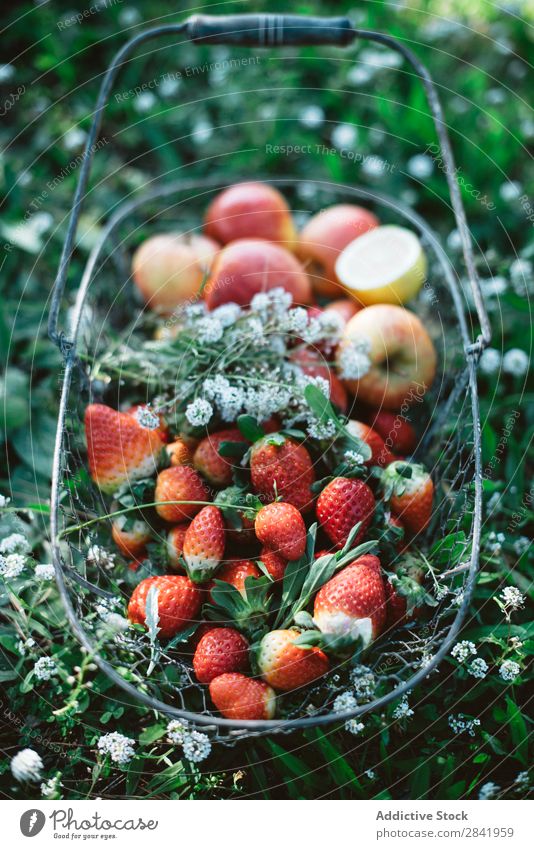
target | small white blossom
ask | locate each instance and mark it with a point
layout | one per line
(403, 710)
(14, 544)
(27, 765)
(353, 458)
(144, 102)
(344, 135)
(478, 668)
(276, 301)
(4, 501)
(51, 787)
(512, 598)
(521, 545)
(227, 314)
(45, 572)
(45, 668)
(12, 566)
(311, 116)
(129, 17)
(371, 774)
(353, 726)
(488, 790)
(202, 130)
(23, 645)
(511, 190)
(420, 166)
(6, 72)
(490, 361)
(454, 240)
(117, 746)
(494, 286)
(297, 320)
(461, 651)
(196, 746)
(364, 682)
(176, 731)
(374, 166)
(345, 701)
(461, 724)
(199, 412)
(494, 542)
(74, 138)
(209, 330)
(509, 670)
(522, 780)
(147, 418)
(441, 592)
(354, 361)
(515, 362)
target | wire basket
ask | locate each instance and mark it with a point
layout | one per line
(450, 446)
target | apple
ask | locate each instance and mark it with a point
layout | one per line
(325, 236)
(385, 266)
(248, 266)
(170, 268)
(250, 211)
(344, 307)
(402, 357)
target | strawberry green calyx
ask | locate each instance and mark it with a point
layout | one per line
(248, 610)
(407, 581)
(401, 477)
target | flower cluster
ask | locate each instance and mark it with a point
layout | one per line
(147, 418)
(461, 651)
(99, 556)
(512, 598)
(45, 572)
(462, 724)
(478, 668)
(488, 790)
(14, 544)
(403, 710)
(45, 668)
(27, 765)
(195, 745)
(51, 788)
(509, 670)
(117, 746)
(354, 361)
(12, 566)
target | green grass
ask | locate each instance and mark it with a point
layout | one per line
(485, 91)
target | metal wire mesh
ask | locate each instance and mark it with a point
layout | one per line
(399, 659)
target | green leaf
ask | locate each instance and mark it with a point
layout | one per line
(233, 449)
(250, 428)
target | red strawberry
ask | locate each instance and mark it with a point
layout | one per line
(236, 573)
(410, 492)
(141, 412)
(179, 483)
(398, 434)
(119, 449)
(380, 455)
(179, 453)
(239, 697)
(281, 467)
(312, 363)
(286, 666)
(353, 601)
(275, 565)
(130, 536)
(179, 602)
(220, 650)
(207, 460)
(405, 595)
(342, 503)
(175, 546)
(281, 528)
(204, 543)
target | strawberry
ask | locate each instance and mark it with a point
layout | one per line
(175, 546)
(353, 602)
(342, 503)
(238, 697)
(281, 528)
(119, 449)
(207, 460)
(179, 453)
(398, 433)
(275, 565)
(179, 483)
(405, 595)
(239, 509)
(380, 455)
(179, 602)
(235, 574)
(204, 543)
(130, 536)
(281, 467)
(142, 413)
(312, 363)
(220, 650)
(409, 489)
(286, 666)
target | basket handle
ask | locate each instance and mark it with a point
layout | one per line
(267, 30)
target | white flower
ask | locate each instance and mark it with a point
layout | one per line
(144, 102)
(202, 130)
(12, 566)
(488, 790)
(515, 362)
(297, 320)
(129, 17)
(420, 166)
(321, 429)
(50, 787)
(196, 310)
(311, 116)
(214, 387)
(490, 361)
(359, 75)
(353, 726)
(209, 329)
(364, 682)
(4, 501)
(521, 545)
(345, 701)
(74, 138)
(6, 72)
(176, 730)
(196, 746)
(227, 314)
(403, 710)
(98, 556)
(494, 542)
(45, 668)
(117, 746)
(231, 403)
(494, 286)
(512, 598)
(509, 670)
(22, 645)
(461, 651)
(371, 774)
(462, 724)
(441, 592)
(454, 240)
(276, 301)
(373, 166)
(344, 135)
(147, 418)
(14, 544)
(169, 87)
(27, 765)
(478, 668)
(353, 361)
(511, 190)
(353, 458)
(199, 412)
(522, 780)
(515, 643)
(45, 572)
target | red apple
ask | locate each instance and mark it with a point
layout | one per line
(248, 266)
(250, 211)
(170, 268)
(325, 236)
(401, 353)
(344, 307)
